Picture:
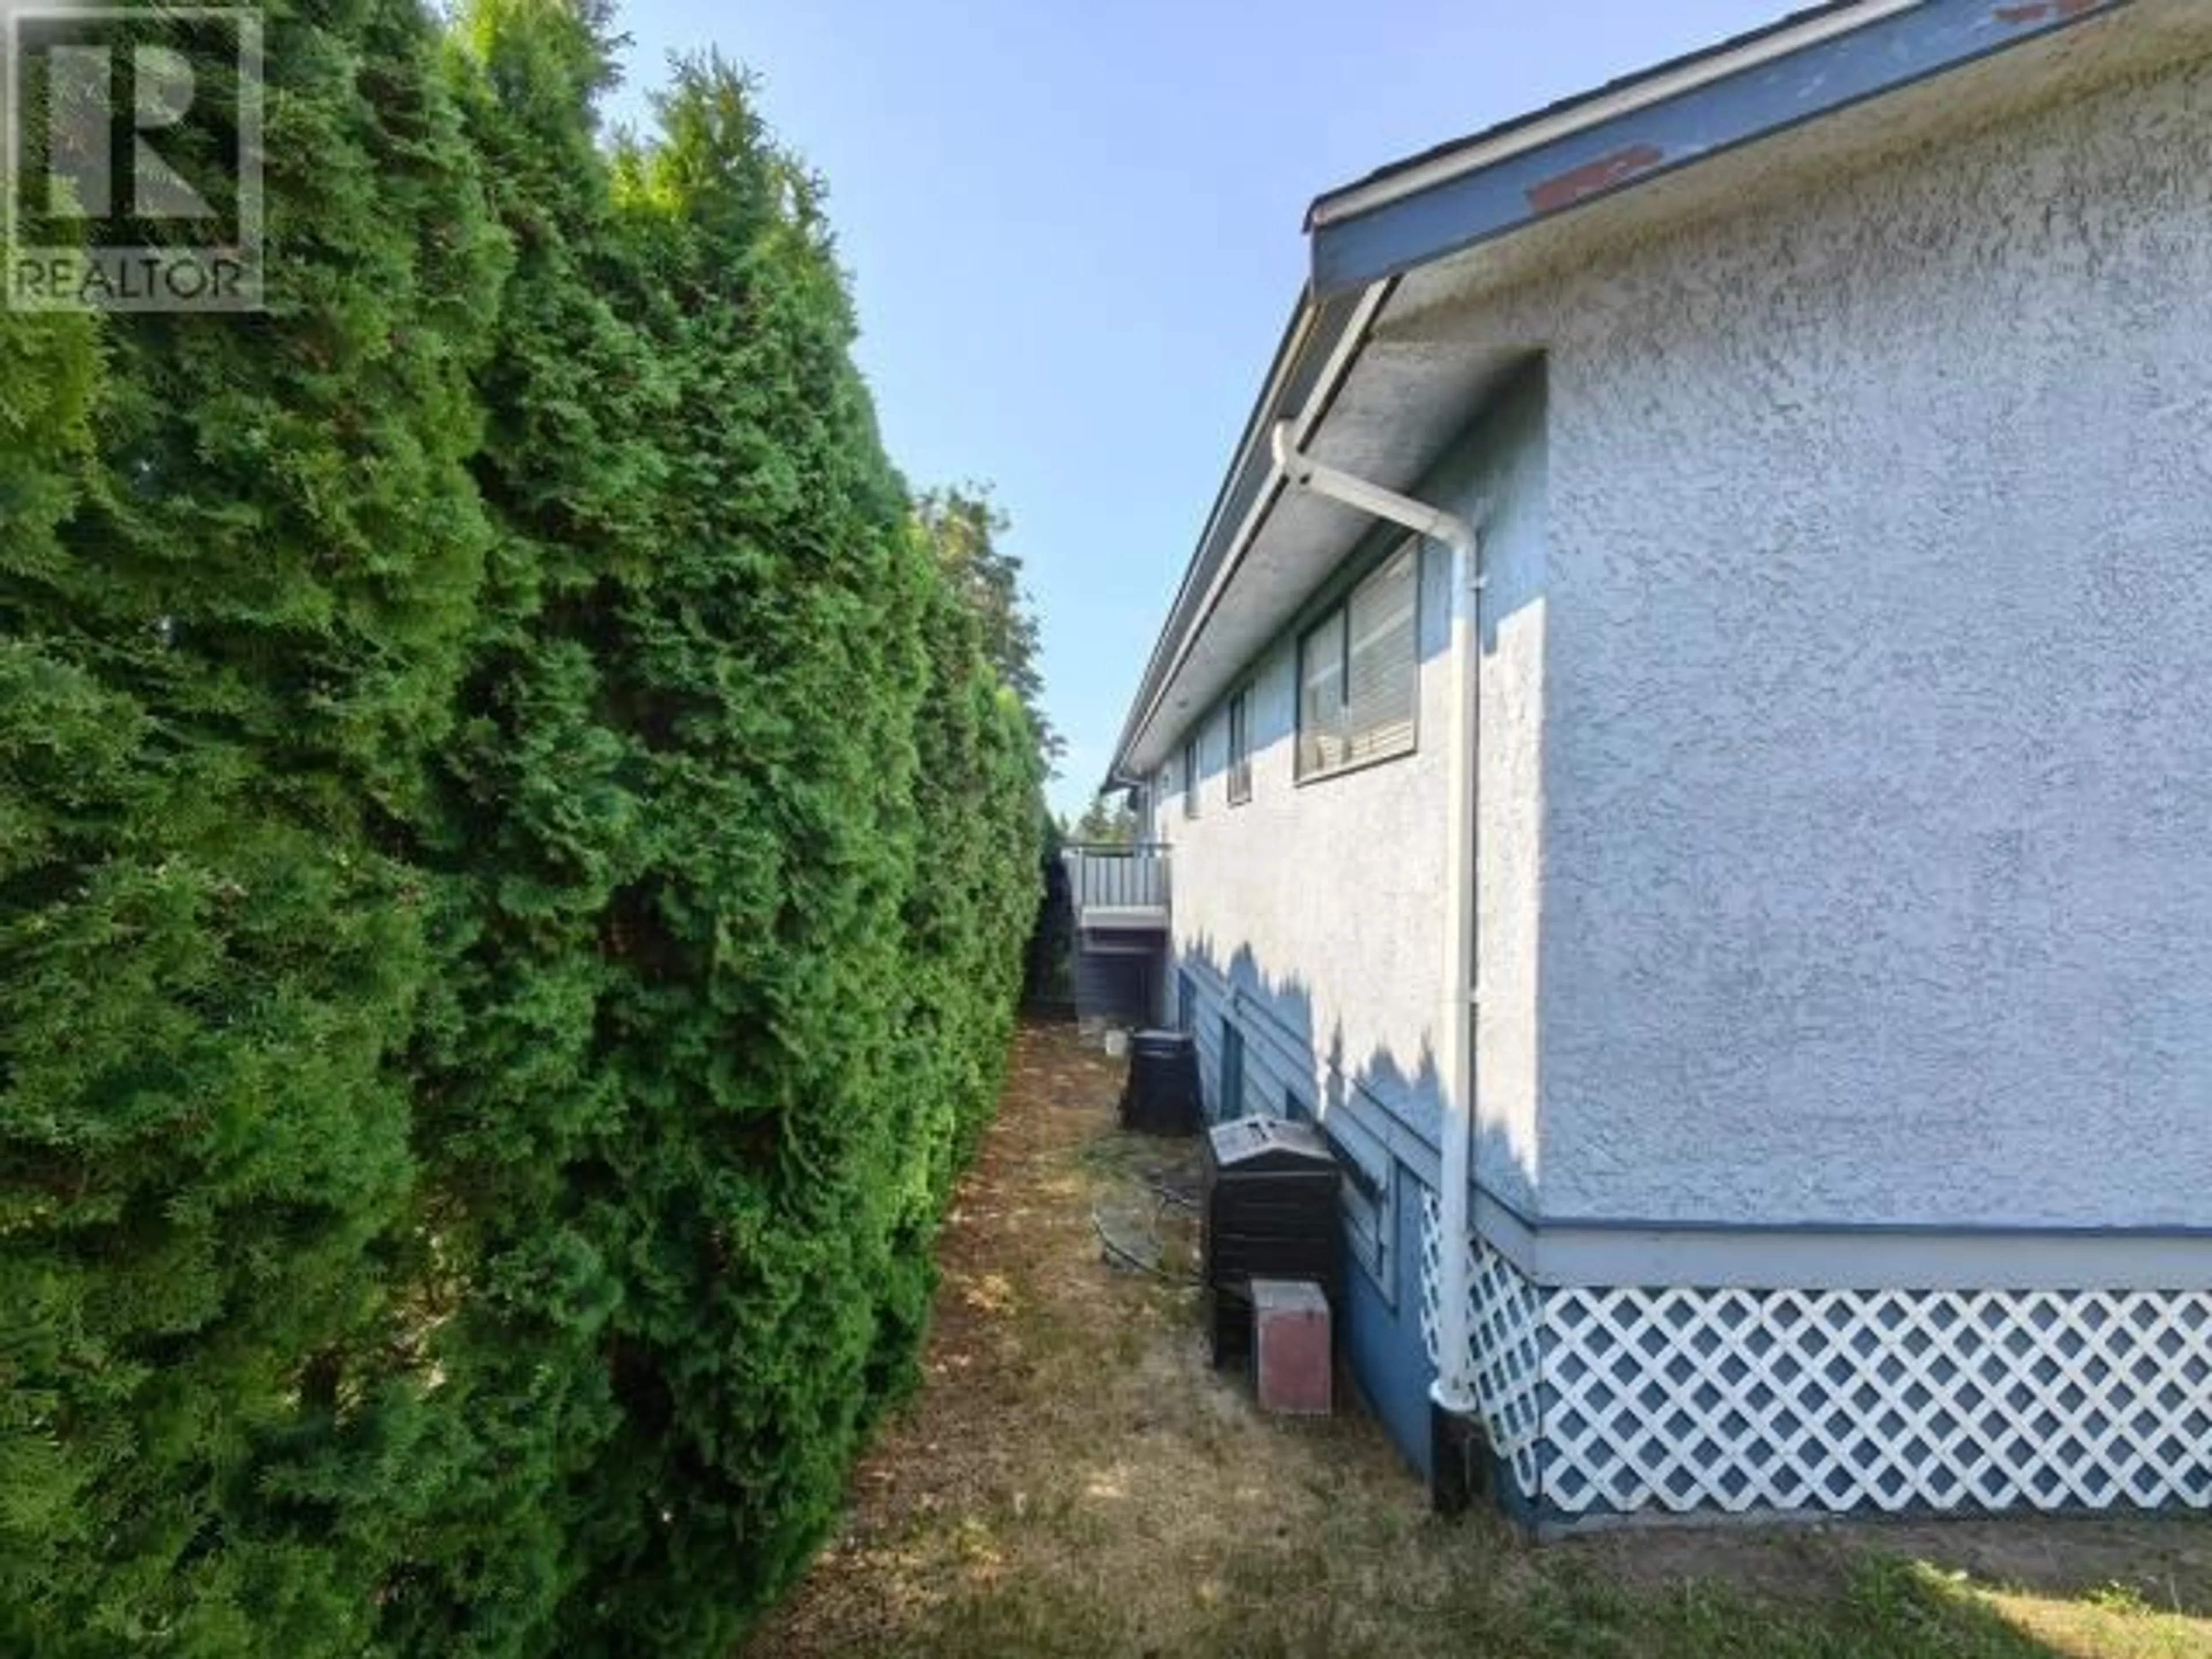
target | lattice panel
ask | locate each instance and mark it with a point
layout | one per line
(1626, 1399)
(1507, 1338)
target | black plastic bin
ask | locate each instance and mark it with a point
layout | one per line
(1269, 1211)
(1161, 1095)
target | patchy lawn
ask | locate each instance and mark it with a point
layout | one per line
(1074, 1480)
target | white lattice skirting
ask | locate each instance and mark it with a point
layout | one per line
(1618, 1399)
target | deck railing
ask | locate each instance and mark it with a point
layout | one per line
(1128, 879)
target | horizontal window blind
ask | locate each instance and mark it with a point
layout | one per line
(1321, 696)
(1359, 672)
(1380, 678)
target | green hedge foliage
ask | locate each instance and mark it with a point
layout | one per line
(514, 860)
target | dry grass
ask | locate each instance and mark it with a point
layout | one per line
(1074, 1480)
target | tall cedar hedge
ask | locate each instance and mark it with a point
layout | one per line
(515, 856)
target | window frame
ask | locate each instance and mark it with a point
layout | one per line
(1239, 774)
(1335, 619)
(1190, 775)
(1369, 1192)
(1336, 616)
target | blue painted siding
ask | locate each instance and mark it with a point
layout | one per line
(1384, 1342)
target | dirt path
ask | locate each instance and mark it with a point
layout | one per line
(1073, 1479)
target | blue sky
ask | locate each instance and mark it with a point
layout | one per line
(1072, 227)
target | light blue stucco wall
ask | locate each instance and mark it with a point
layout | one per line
(1323, 904)
(1313, 918)
(1877, 850)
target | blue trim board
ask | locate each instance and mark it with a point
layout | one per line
(1818, 79)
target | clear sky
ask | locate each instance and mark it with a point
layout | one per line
(1073, 231)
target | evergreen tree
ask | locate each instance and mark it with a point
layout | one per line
(1105, 823)
(515, 842)
(70, 780)
(964, 528)
(764, 668)
(970, 920)
(541, 816)
(703, 1091)
(248, 628)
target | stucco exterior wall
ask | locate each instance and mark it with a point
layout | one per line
(1315, 913)
(1320, 925)
(1877, 770)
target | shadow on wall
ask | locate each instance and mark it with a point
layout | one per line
(1259, 1052)
(1256, 1022)
(1291, 1071)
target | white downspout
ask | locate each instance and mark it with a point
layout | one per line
(1454, 1390)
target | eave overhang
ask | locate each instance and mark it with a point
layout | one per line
(1383, 359)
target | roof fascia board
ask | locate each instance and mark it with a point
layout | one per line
(1641, 91)
(1394, 224)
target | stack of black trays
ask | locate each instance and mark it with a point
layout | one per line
(1270, 1211)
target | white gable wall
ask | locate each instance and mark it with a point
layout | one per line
(1878, 769)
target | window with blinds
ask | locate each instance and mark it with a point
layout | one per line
(1240, 747)
(1359, 672)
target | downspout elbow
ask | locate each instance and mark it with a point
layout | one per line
(1304, 473)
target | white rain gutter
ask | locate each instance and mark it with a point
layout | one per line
(1454, 1388)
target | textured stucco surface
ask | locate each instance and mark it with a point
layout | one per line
(1313, 918)
(1317, 911)
(1305, 907)
(1847, 731)
(1505, 469)
(1846, 755)
(1878, 765)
